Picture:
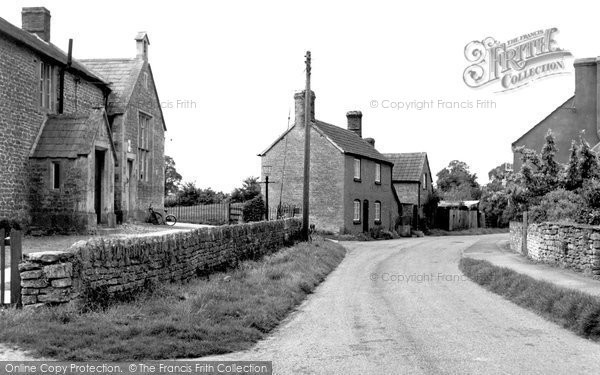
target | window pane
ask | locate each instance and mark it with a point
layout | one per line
(378, 211)
(356, 168)
(356, 210)
(378, 172)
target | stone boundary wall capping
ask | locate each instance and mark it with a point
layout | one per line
(573, 246)
(126, 264)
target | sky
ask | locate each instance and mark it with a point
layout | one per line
(226, 72)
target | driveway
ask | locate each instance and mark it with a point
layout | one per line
(403, 307)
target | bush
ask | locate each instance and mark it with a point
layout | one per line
(559, 205)
(254, 209)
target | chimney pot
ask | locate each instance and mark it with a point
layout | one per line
(36, 20)
(355, 122)
(371, 141)
(300, 106)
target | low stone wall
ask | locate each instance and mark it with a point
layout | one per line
(571, 246)
(126, 264)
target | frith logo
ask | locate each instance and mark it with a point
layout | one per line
(515, 63)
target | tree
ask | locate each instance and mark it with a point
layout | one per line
(172, 177)
(250, 189)
(188, 195)
(456, 182)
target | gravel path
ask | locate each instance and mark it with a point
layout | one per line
(431, 321)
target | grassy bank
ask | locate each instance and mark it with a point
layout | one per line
(228, 312)
(574, 310)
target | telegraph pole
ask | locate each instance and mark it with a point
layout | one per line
(307, 125)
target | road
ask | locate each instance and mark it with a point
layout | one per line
(403, 307)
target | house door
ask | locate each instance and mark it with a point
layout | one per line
(365, 215)
(98, 177)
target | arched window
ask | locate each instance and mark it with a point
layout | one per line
(377, 212)
(356, 211)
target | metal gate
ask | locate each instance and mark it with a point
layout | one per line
(10, 276)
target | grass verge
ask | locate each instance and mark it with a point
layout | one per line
(199, 318)
(574, 310)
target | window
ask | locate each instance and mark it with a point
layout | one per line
(146, 80)
(55, 175)
(424, 182)
(144, 144)
(377, 212)
(356, 211)
(377, 173)
(357, 169)
(47, 99)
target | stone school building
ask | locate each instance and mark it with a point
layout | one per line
(82, 141)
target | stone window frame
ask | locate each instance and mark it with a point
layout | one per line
(146, 80)
(424, 181)
(144, 145)
(357, 169)
(377, 214)
(357, 214)
(378, 173)
(53, 174)
(47, 87)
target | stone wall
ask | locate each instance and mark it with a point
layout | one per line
(571, 246)
(125, 264)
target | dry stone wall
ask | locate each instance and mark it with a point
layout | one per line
(571, 246)
(126, 264)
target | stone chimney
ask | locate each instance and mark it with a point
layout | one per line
(371, 141)
(355, 122)
(586, 84)
(142, 42)
(36, 20)
(299, 107)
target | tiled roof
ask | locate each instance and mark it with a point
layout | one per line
(68, 136)
(122, 74)
(46, 49)
(349, 142)
(407, 166)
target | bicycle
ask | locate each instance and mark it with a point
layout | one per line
(156, 218)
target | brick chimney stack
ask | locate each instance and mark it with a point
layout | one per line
(355, 122)
(299, 104)
(36, 20)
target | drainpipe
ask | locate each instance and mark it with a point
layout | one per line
(419, 205)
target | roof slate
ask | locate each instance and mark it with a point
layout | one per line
(349, 141)
(407, 166)
(48, 50)
(122, 74)
(68, 136)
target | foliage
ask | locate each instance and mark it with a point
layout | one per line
(558, 205)
(172, 177)
(254, 209)
(456, 182)
(249, 190)
(191, 195)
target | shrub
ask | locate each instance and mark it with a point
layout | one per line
(254, 209)
(558, 205)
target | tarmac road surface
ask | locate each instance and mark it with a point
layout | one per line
(403, 307)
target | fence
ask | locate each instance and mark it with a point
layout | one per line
(224, 213)
(14, 242)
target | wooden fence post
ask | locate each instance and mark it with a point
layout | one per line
(524, 250)
(16, 253)
(2, 266)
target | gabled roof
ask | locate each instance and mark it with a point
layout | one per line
(344, 140)
(568, 104)
(122, 74)
(70, 136)
(48, 50)
(407, 166)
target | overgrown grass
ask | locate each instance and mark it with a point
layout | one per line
(574, 310)
(467, 232)
(203, 317)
